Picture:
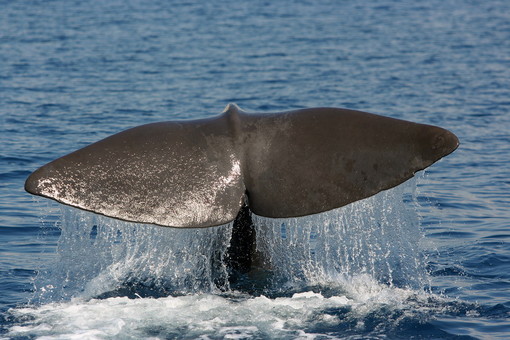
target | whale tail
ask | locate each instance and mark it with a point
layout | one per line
(199, 173)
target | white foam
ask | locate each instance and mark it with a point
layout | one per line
(209, 316)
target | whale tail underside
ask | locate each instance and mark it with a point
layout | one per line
(199, 173)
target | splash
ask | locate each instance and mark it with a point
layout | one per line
(351, 271)
(97, 255)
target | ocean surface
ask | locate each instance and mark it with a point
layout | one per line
(429, 259)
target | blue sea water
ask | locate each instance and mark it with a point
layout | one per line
(436, 265)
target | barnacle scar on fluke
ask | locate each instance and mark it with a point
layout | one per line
(208, 172)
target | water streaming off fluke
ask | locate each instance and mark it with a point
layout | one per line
(101, 257)
(352, 269)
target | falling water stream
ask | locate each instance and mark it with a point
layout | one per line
(100, 257)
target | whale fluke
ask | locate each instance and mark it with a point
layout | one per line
(199, 173)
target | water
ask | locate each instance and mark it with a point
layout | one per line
(430, 259)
